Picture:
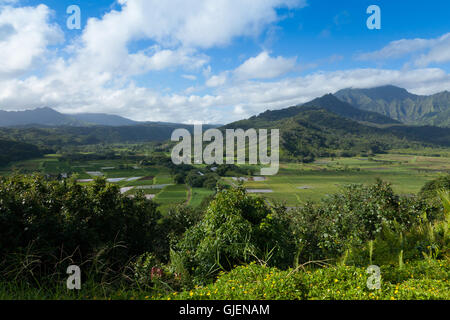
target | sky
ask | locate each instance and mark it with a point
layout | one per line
(203, 61)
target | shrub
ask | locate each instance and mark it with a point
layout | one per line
(237, 228)
(350, 283)
(351, 218)
(431, 188)
(250, 282)
(52, 221)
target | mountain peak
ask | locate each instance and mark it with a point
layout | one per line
(399, 104)
(387, 92)
(332, 104)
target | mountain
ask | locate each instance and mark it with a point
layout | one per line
(103, 119)
(310, 132)
(40, 116)
(399, 104)
(332, 104)
(51, 118)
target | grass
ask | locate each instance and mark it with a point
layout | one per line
(419, 280)
(171, 195)
(298, 183)
(197, 196)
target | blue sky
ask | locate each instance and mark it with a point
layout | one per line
(214, 61)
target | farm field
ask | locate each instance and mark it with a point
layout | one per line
(294, 184)
(298, 183)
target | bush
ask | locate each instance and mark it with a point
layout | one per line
(173, 225)
(196, 179)
(237, 228)
(419, 280)
(350, 283)
(250, 282)
(56, 222)
(430, 189)
(352, 218)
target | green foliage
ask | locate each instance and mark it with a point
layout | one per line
(15, 151)
(310, 132)
(431, 188)
(422, 280)
(173, 225)
(127, 249)
(236, 228)
(197, 179)
(250, 282)
(47, 222)
(352, 218)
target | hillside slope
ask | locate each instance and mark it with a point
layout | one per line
(16, 151)
(314, 132)
(51, 118)
(397, 103)
(332, 104)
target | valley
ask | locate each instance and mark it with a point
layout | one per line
(295, 184)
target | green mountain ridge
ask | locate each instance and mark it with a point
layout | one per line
(52, 118)
(311, 132)
(332, 104)
(399, 104)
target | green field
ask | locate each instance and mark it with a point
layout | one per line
(172, 195)
(294, 184)
(197, 196)
(297, 183)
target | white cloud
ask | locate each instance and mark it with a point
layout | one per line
(189, 77)
(227, 104)
(439, 53)
(98, 75)
(264, 66)
(435, 50)
(201, 23)
(25, 35)
(217, 80)
(174, 26)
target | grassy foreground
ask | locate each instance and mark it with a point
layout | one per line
(423, 280)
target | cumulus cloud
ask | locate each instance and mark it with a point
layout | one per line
(439, 53)
(201, 23)
(97, 72)
(217, 80)
(25, 35)
(264, 66)
(226, 104)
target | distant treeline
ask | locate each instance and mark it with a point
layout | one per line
(60, 137)
(15, 151)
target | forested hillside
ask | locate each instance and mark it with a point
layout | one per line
(313, 132)
(59, 137)
(399, 104)
(332, 104)
(15, 151)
